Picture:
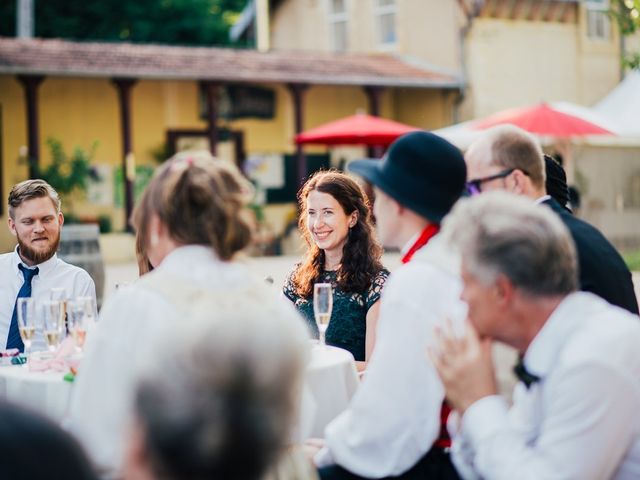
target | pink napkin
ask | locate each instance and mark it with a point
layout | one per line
(59, 361)
(12, 352)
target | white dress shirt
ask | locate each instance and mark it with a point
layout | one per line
(51, 274)
(580, 421)
(101, 404)
(394, 417)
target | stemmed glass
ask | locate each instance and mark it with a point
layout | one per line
(59, 294)
(322, 306)
(53, 322)
(80, 317)
(27, 322)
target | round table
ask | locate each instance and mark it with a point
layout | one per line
(330, 382)
(45, 392)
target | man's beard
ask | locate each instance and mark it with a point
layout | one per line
(38, 256)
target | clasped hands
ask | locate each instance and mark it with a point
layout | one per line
(464, 364)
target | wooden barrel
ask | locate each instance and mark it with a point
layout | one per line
(80, 246)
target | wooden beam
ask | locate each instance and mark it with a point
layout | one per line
(30, 83)
(297, 91)
(123, 87)
(373, 96)
(238, 149)
(212, 93)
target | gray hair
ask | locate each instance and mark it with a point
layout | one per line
(500, 233)
(222, 397)
(29, 189)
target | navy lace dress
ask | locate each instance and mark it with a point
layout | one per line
(348, 326)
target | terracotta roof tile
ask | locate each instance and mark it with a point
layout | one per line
(65, 58)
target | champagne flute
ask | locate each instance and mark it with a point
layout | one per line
(322, 306)
(53, 320)
(60, 294)
(77, 323)
(27, 322)
(78, 317)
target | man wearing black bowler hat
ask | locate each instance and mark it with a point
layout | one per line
(393, 427)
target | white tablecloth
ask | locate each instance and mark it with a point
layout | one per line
(45, 392)
(331, 380)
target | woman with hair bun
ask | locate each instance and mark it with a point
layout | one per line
(192, 221)
(335, 221)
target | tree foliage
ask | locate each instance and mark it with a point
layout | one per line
(627, 16)
(67, 173)
(182, 22)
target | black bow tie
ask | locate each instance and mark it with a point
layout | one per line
(524, 375)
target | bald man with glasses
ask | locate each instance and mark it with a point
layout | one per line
(508, 158)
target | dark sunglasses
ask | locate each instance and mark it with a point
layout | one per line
(474, 187)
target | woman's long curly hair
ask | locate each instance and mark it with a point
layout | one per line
(361, 253)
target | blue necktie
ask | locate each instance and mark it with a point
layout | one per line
(13, 339)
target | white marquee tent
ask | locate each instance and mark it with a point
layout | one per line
(622, 105)
(606, 168)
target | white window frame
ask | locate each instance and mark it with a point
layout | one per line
(378, 12)
(335, 18)
(596, 11)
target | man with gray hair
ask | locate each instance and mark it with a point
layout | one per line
(218, 397)
(33, 268)
(574, 413)
(508, 158)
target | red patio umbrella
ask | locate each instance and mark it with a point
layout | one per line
(358, 129)
(542, 119)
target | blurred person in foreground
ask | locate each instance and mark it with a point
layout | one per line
(574, 412)
(219, 397)
(32, 447)
(335, 221)
(393, 426)
(508, 158)
(33, 268)
(195, 226)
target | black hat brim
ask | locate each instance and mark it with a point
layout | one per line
(370, 170)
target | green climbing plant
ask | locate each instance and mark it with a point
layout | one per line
(68, 174)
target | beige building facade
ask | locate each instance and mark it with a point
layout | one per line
(510, 53)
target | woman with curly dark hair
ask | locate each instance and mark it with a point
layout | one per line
(335, 220)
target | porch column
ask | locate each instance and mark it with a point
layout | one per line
(211, 91)
(373, 96)
(297, 93)
(124, 86)
(30, 83)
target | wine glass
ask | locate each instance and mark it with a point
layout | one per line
(53, 322)
(60, 294)
(322, 306)
(79, 314)
(27, 322)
